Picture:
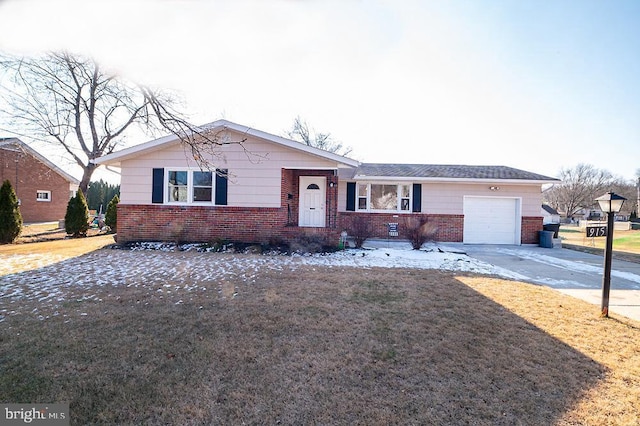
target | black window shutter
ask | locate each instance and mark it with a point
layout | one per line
(157, 186)
(351, 196)
(417, 198)
(221, 187)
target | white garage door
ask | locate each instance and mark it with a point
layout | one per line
(491, 220)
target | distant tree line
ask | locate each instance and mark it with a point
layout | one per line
(582, 184)
(100, 193)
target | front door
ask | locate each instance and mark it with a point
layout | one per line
(312, 201)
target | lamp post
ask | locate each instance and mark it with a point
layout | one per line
(610, 203)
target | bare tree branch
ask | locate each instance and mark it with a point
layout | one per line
(580, 186)
(73, 102)
(301, 132)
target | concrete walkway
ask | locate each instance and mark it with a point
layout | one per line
(571, 272)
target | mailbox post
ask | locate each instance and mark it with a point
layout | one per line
(610, 203)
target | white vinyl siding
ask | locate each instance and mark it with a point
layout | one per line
(255, 170)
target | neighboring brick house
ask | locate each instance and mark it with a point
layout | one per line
(272, 188)
(42, 188)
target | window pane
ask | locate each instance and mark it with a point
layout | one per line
(362, 203)
(362, 189)
(178, 193)
(384, 197)
(177, 178)
(405, 190)
(202, 194)
(202, 179)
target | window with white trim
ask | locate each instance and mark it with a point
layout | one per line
(202, 187)
(43, 195)
(384, 197)
(363, 196)
(189, 186)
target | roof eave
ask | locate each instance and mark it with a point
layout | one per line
(114, 159)
(43, 159)
(455, 180)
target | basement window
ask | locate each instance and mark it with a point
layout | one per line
(43, 195)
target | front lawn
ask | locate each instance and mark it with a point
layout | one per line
(623, 241)
(305, 344)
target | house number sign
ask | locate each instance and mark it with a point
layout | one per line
(596, 231)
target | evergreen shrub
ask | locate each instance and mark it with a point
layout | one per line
(76, 220)
(10, 217)
(111, 215)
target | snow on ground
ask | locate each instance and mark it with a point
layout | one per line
(161, 269)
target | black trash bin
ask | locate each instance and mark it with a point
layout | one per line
(546, 239)
(553, 227)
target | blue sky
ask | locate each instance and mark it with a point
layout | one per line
(537, 85)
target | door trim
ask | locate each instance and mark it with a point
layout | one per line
(321, 216)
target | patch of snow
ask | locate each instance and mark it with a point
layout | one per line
(162, 269)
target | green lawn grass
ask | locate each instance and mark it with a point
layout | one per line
(626, 241)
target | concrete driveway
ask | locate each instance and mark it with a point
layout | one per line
(568, 271)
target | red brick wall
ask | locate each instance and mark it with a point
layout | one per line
(209, 223)
(529, 230)
(34, 176)
(264, 225)
(447, 227)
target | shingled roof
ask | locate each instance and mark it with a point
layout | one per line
(372, 170)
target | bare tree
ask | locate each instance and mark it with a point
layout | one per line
(73, 102)
(301, 132)
(579, 188)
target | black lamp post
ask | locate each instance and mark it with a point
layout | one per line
(610, 203)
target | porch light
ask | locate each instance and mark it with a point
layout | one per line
(610, 203)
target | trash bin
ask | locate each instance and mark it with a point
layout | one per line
(554, 227)
(546, 239)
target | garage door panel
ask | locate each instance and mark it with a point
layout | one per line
(491, 220)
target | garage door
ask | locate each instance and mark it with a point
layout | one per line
(491, 220)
